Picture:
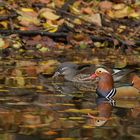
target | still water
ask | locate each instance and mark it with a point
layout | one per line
(32, 108)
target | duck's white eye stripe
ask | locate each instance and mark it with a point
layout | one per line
(64, 68)
(102, 70)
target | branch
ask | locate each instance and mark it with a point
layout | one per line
(33, 32)
(6, 17)
(67, 4)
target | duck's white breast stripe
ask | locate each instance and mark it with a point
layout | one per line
(111, 94)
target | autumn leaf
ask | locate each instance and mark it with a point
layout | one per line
(48, 14)
(105, 5)
(28, 16)
(94, 18)
(3, 44)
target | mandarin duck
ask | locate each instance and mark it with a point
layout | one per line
(70, 71)
(75, 73)
(106, 89)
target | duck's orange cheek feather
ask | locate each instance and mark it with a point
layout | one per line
(97, 74)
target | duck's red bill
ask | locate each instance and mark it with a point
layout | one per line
(93, 76)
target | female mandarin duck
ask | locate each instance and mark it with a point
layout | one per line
(71, 72)
(106, 89)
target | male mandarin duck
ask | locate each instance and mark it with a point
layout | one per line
(106, 89)
(75, 73)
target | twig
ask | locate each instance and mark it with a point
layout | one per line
(67, 4)
(11, 24)
(6, 17)
(33, 32)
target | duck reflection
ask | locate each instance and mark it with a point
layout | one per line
(104, 111)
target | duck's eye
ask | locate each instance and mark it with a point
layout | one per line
(100, 71)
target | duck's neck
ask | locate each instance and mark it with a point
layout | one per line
(105, 83)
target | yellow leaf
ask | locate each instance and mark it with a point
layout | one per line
(50, 27)
(27, 10)
(110, 13)
(121, 28)
(77, 21)
(97, 44)
(134, 15)
(44, 49)
(48, 14)
(27, 18)
(2, 43)
(122, 13)
(4, 24)
(118, 6)
(74, 10)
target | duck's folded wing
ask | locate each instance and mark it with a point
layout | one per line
(127, 92)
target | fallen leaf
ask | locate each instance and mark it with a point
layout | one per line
(121, 13)
(2, 43)
(48, 14)
(87, 10)
(28, 17)
(4, 24)
(27, 10)
(50, 27)
(74, 8)
(119, 6)
(105, 5)
(94, 18)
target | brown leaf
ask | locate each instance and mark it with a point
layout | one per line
(105, 5)
(27, 17)
(87, 10)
